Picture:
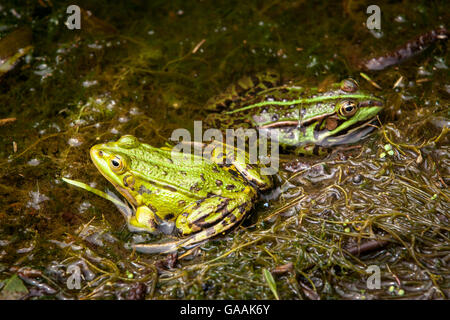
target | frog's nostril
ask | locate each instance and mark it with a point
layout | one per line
(96, 153)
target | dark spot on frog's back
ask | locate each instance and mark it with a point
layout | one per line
(219, 183)
(230, 186)
(195, 188)
(143, 189)
(223, 206)
(198, 203)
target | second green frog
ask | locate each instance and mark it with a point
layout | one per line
(306, 121)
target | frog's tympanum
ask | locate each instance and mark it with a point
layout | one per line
(203, 197)
(308, 120)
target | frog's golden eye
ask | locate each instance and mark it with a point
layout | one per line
(117, 164)
(347, 108)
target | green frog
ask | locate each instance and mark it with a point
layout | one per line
(202, 196)
(307, 120)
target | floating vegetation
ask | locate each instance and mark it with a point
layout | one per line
(146, 69)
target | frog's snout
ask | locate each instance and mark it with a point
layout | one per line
(97, 155)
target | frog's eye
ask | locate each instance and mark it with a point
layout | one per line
(349, 85)
(117, 164)
(347, 108)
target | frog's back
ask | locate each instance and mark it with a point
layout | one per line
(192, 174)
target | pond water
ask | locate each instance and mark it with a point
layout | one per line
(148, 68)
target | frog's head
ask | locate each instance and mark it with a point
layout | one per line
(113, 160)
(351, 115)
(336, 115)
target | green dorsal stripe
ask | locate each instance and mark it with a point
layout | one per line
(308, 100)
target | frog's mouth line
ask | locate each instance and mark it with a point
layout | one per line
(352, 134)
(124, 192)
(127, 195)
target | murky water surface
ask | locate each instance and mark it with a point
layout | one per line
(147, 69)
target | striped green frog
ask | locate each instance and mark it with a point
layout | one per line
(308, 120)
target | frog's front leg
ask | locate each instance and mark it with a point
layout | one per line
(144, 220)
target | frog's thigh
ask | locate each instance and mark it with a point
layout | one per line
(143, 220)
(222, 225)
(209, 211)
(241, 163)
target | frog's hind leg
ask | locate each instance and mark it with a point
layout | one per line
(242, 90)
(229, 221)
(207, 212)
(203, 222)
(226, 223)
(223, 154)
